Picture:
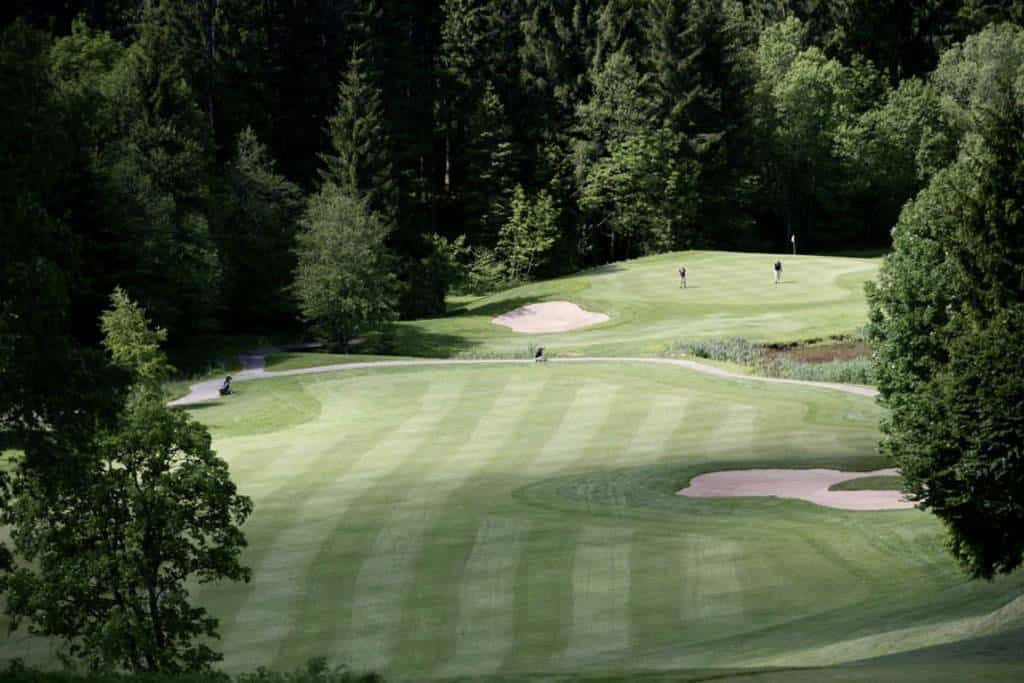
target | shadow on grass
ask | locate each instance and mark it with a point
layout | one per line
(411, 340)
(867, 252)
(606, 269)
(497, 308)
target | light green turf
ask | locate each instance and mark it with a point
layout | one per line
(869, 484)
(297, 360)
(728, 294)
(493, 520)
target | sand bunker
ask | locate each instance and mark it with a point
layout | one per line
(810, 485)
(553, 316)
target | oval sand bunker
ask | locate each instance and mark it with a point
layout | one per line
(810, 485)
(552, 316)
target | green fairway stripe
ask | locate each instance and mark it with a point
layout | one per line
(544, 596)
(337, 449)
(589, 410)
(516, 521)
(431, 611)
(709, 581)
(733, 434)
(279, 580)
(487, 599)
(664, 417)
(279, 479)
(333, 571)
(653, 610)
(430, 608)
(600, 595)
(389, 572)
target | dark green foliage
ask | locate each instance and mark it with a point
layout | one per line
(345, 282)
(946, 316)
(256, 238)
(358, 160)
(652, 125)
(109, 552)
(52, 388)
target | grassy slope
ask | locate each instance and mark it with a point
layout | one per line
(436, 522)
(729, 294)
(297, 360)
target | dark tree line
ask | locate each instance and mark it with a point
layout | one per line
(194, 130)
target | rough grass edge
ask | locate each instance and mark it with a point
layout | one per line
(755, 356)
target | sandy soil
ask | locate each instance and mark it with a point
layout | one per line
(824, 353)
(810, 485)
(553, 316)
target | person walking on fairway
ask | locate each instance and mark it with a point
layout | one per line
(682, 277)
(778, 271)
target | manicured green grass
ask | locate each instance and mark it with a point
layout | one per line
(295, 360)
(869, 484)
(513, 520)
(728, 295)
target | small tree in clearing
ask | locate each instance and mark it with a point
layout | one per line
(529, 233)
(110, 551)
(344, 280)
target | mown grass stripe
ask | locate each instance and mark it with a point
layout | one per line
(333, 571)
(653, 436)
(485, 631)
(389, 573)
(544, 595)
(280, 579)
(733, 433)
(709, 581)
(589, 410)
(431, 610)
(600, 595)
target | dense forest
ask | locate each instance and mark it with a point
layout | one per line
(176, 148)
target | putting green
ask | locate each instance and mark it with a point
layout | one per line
(728, 294)
(496, 520)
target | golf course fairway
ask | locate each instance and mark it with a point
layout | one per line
(497, 520)
(727, 295)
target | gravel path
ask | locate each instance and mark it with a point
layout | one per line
(254, 367)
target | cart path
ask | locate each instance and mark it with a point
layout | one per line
(254, 367)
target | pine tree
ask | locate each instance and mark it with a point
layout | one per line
(490, 160)
(359, 156)
(255, 236)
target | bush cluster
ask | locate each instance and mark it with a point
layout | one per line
(756, 356)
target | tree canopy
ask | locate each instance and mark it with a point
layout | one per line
(110, 553)
(946, 318)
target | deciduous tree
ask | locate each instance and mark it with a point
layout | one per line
(345, 282)
(947, 320)
(109, 555)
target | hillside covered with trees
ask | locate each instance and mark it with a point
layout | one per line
(177, 148)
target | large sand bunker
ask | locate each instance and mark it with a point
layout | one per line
(811, 485)
(553, 316)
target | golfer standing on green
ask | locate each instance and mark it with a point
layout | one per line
(778, 271)
(682, 277)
